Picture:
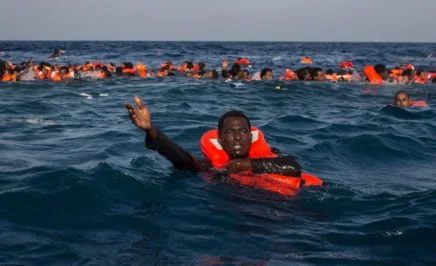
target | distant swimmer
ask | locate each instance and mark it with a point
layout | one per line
(56, 53)
(234, 148)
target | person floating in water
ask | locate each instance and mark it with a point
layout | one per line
(235, 149)
(234, 138)
(402, 99)
(56, 53)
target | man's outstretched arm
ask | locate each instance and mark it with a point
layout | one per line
(156, 140)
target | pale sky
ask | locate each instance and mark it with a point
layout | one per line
(220, 20)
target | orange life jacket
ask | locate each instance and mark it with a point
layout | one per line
(102, 75)
(331, 77)
(306, 60)
(414, 103)
(69, 75)
(420, 80)
(289, 75)
(284, 185)
(170, 66)
(346, 77)
(129, 71)
(142, 73)
(9, 77)
(242, 61)
(372, 75)
(40, 75)
(410, 66)
(96, 64)
(161, 74)
(182, 68)
(396, 72)
(346, 64)
(55, 76)
(418, 103)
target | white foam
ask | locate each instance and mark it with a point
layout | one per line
(238, 84)
(88, 96)
(36, 121)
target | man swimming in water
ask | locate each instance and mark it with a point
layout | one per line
(234, 136)
(401, 99)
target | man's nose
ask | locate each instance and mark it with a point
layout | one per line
(237, 135)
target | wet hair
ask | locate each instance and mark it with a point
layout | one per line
(19, 68)
(314, 72)
(419, 72)
(234, 71)
(229, 114)
(408, 73)
(400, 92)
(112, 64)
(302, 72)
(264, 71)
(189, 65)
(201, 65)
(329, 71)
(246, 71)
(170, 74)
(119, 71)
(64, 68)
(380, 68)
(128, 65)
(106, 72)
(342, 72)
(214, 74)
(433, 80)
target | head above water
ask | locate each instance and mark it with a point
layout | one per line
(401, 99)
(317, 74)
(382, 71)
(234, 134)
(266, 74)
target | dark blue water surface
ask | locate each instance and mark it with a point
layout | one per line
(77, 185)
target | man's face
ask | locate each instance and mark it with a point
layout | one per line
(235, 137)
(246, 75)
(268, 76)
(320, 76)
(402, 100)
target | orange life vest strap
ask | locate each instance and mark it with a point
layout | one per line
(418, 103)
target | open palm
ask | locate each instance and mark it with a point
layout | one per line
(140, 116)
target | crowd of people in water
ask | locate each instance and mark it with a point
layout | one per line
(238, 70)
(228, 71)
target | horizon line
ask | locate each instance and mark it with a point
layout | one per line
(228, 41)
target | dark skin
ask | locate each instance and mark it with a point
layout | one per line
(235, 137)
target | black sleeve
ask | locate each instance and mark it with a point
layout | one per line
(180, 158)
(285, 165)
